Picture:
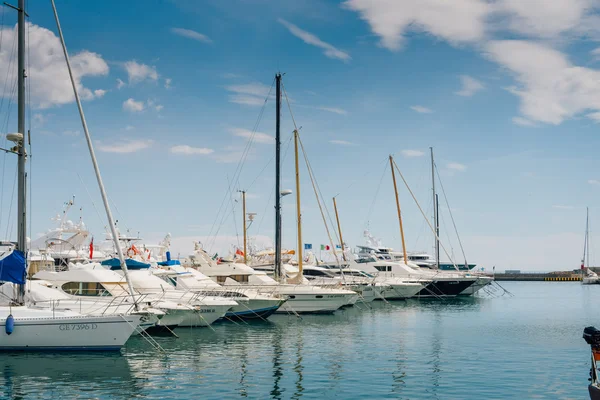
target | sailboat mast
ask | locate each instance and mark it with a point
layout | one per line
(398, 207)
(436, 222)
(337, 218)
(277, 176)
(88, 138)
(298, 213)
(22, 155)
(245, 228)
(587, 236)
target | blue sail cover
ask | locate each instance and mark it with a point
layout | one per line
(13, 267)
(115, 263)
(169, 262)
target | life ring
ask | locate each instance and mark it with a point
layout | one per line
(132, 251)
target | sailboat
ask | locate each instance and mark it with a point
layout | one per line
(588, 277)
(28, 326)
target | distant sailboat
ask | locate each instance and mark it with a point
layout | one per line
(588, 277)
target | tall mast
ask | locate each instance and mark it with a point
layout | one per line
(587, 236)
(398, 207)
(22, 155)
(298, 213)
(277, 176)
(337, 218)
(245, 228)
(436, 222)
(88, 138)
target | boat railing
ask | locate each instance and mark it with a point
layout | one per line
(93, 306)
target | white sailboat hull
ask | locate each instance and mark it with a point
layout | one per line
(39, 331)
(204, 315)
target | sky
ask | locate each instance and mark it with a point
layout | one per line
(179, 101)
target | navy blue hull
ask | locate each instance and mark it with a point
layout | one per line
(445, 288)
(263, 313)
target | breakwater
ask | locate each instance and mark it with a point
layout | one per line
(565, 276)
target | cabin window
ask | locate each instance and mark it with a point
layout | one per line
(240, 278)
(85, 289)
(221, 279)
(319, 297)
(380, 268)
(291, 297)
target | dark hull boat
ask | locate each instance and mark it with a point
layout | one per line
(592, 337)
(445, 288)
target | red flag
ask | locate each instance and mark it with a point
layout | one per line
(328, 247)
(239, 252)
(92, 248)
(582, 267)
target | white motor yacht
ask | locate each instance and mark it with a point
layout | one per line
(100, 291)
(300, 298)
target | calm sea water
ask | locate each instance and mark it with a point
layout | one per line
(524, 347)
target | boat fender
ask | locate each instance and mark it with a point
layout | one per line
(10, 324)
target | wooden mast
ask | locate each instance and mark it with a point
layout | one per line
(398, 207)
(337, 218)
(298, 213)
(245, 228)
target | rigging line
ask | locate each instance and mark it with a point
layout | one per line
(9, 69)
(260, 173)
(451, 216)
(424, 216)
(223, 202)
(273, 188)
(10, 208)
(376, 193)
(237, 234)
(312, 180)
(91, 199)
(311, 173)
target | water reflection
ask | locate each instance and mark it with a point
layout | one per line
(277, 367)
(22, 374)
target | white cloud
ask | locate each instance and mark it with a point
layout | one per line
(152, 104)
(412, 153)
(545, 19)
(123, 146)
(137, 72)
(470, 86)
(189, 150)
(456, 166)
(342, 142)
(257, 137)
(120, 83)
(455, 21)
(522, 121)
(551, 88)
(560, 207)
(250, 94)
(595, 116)
(168, 83)
(308, 38)
(133, 106)
(229, 75)
(190, 34)
(334, 110)
(594, 182)
(99, 93)
(50, 84)
(421, 109)
(596, 53)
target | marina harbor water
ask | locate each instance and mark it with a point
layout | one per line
(405, 350)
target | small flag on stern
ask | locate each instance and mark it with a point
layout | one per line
(307, 246)
(338, 246)
(92, 248)
(325, 247)
(239, 252)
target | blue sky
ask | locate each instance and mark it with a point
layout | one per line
(506, 92)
